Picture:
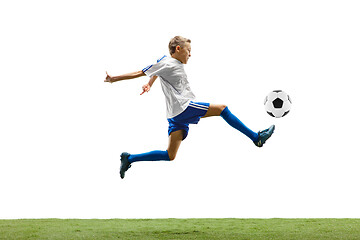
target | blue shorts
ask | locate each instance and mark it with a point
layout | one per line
(191, 115)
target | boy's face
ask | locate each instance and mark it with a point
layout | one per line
(183, 53)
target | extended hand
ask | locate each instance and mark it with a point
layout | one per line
(108, 78)
(146, 88)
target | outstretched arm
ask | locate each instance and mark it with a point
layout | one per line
(127, 76)
(147, 86)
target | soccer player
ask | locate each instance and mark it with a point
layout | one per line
(181, 107)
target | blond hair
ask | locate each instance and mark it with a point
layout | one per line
(177, 41)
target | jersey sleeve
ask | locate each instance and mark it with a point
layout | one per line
(156, 69)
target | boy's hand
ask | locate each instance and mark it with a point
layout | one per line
(108, 78)
(146, 88)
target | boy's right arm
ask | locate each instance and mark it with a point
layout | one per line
(127, 76)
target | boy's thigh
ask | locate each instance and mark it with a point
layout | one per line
(214, 110)
(175, 139)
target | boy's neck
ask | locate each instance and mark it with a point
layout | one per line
(173, 56)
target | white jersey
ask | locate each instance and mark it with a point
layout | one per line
(174, 84)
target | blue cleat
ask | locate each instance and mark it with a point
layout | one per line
(264, 135)
(125, 165)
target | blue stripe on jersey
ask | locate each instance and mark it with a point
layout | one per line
(161, 58)
(147, 68)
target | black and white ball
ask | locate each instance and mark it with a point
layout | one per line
(277, 103)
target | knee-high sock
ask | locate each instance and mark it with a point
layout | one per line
(233, 121)
(150, 156)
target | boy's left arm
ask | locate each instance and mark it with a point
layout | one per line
(146, 87)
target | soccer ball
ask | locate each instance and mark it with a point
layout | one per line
(277, 103)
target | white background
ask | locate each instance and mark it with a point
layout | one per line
(62, 128)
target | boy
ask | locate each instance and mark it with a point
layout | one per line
(182, 109)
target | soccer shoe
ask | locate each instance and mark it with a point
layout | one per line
(125, 165)
(264, 135)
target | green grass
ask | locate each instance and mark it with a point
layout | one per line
(181, 229)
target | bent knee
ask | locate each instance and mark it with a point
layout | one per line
(222, 107)
(172, 156)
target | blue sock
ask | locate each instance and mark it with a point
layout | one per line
(150, 156)
(233, 121)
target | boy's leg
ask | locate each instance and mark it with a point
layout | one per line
(214, 110)
(222, 110)
(232, 120)
(175, 140)
(127, 159)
